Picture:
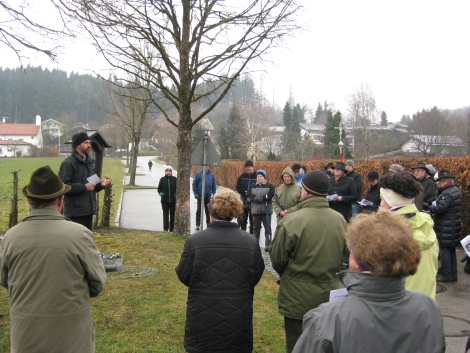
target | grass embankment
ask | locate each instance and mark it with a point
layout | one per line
(143, 314)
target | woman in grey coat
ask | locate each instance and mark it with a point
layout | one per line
(377, 314)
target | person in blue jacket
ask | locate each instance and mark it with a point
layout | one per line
(210, 189)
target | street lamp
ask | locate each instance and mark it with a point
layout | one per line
(340, 144)
(207, 127)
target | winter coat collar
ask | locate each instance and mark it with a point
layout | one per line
(44, 214)
(314, 201)
(370, 287)
(222, 224)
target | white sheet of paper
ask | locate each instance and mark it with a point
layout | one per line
(466, 244)
(338, 293)
(95, 179)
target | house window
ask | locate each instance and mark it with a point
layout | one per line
(32, 137)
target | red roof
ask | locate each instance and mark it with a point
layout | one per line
(19, 129)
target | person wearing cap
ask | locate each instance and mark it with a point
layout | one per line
(350, 173)
(306, 253)
(397, 192)
(167, 191)
(50, 267)
(80, 202)
(244, 181)
(342, 191)
(373, 194)
(420, 171)
(261, 196)
(378, 314)
(330, 167)
(287, 196)
(210, 189)
(221, 266)
(299, 172)
(446, 213)
(396, 168)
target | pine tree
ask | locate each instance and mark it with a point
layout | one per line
(291, 136)
(224, 143)
(383, 119)
(331, 136)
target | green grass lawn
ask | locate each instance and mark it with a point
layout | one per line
(144, 314)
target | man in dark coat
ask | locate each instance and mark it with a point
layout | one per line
(373, 194)
(209, 190)
(420, 171)
(167, 191)
(446, 213)
(342, 192)
(80, 201)
(244, 181)
(221, 267)
(350, 173)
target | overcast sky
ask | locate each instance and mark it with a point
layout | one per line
(412, 54)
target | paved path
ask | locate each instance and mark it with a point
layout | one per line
(141, 209)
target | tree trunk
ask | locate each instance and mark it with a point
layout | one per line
(183, 215)
(107, 202)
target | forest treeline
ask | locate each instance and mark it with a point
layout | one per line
(52, 94)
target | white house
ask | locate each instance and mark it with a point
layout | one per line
(19, 137)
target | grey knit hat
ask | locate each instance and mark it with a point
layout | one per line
(350, 162)
(316, 183)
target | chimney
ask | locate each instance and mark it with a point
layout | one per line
(38, 120)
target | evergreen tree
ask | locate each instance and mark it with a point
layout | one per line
(331, 136)
(291, 136)
(237, 133)
(224, 143)
(383, 119)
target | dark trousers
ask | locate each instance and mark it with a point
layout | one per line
(293, 330)
(86, 221)
(207, 199)
(168, 214)
(257, 220)
(244, 217)
(448, 262)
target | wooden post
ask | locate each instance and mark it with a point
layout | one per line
(107, 202)
(14, 201)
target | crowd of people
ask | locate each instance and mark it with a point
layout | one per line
(389, 249)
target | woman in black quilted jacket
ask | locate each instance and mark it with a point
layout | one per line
(221, 267)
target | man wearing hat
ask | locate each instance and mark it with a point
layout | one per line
(350, 173)
(373, 194)
(446, 213)
(167, 191)
(420, 171)
(80, 202)
(261, 195)
(244, 181)
(305, 252)
(50, 267)
(342, 191)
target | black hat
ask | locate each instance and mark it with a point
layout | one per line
(45, 185)
(316, 183)
(249, 163)
(372, 175)
(330, 165)
(340, 165)
(422, 166)
(296, 167)
(79, 138)
(443, 174)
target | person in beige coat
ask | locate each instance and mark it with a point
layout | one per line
(50, 267)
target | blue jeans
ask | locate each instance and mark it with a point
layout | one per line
(448, 262)
(356, 209)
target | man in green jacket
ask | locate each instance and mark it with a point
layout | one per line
(306, 253)
(50, 267)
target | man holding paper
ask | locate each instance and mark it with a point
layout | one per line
(77, 170)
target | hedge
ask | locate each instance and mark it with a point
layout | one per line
(458, 166)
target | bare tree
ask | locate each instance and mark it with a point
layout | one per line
(430, 130)
(22, 34)
(130, 110)
(201, 48)
(362, 112)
